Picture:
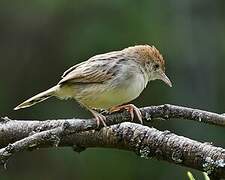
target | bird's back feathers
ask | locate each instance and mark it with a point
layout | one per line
(94, 70)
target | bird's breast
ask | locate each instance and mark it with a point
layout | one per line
(114, 93)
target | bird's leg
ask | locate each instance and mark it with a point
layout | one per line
(132, 109)
(99, 117)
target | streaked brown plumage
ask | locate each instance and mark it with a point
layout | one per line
(109, 80)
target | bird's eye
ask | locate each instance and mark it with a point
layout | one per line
(156, 66)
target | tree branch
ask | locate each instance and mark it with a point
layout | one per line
(145, 141)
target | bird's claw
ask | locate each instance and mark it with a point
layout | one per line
(132, 109)
(99, 118)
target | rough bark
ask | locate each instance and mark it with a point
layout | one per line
(19, 135)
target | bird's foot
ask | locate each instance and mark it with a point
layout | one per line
(98, 117)
(132, 109)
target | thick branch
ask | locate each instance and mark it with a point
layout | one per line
(141, 139)
(150, 142)
(15, 130)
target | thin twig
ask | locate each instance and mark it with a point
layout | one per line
(168, 111)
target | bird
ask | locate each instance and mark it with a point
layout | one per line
(108, 81)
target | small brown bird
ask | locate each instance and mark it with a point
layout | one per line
(108, 81)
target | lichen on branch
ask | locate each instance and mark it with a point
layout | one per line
(19, 135)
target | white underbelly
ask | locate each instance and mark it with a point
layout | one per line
(109, 97)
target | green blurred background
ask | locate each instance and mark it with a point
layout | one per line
(39, 39)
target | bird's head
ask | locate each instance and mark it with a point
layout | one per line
(151, 60)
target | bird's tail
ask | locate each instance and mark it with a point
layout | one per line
(38, 98)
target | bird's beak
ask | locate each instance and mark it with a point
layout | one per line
(165, 79)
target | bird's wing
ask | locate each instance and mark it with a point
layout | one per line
(95, 70)
(71, 69)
